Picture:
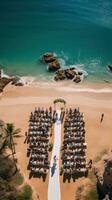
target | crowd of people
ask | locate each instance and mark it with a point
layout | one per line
(73, 149)
(40, 123)
(74, 145)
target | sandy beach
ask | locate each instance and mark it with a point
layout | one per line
(17, 103)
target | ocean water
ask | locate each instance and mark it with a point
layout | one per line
(78, 31)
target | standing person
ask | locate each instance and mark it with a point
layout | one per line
(26, 137)
(50, 109)
(102, 117)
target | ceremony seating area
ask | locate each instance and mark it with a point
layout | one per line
(74, 145)
(40, 123)
(73, 152)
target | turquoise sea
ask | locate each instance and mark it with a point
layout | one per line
(78, 31)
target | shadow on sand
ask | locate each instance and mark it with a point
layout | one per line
(53, 169)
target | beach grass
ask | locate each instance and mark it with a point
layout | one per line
(18, 179)
(92, 177)
(92, 195)
(26, 193)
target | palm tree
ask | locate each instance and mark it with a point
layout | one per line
(11, 133)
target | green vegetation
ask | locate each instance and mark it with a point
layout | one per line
(10, 177)
(26, 194)
(11, 133)
(92, 195)
(92, 177)
(50, 147)
(59, 100)
(61, 171)
(18, 179)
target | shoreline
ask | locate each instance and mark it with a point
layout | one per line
(65, 86)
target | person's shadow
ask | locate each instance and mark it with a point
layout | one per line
(53, 169)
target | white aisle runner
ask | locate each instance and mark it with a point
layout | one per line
(54, 183)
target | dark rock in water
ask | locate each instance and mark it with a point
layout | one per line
(48, 58)
(19, 84)
(110, 67)
(80, 73)
(67, 74)
(17, 81)
(106, 81)
(52, 61)
(72, 68)
(54, 66)
(60, 75)
(77, 79)
(70, 73)
(0, 73)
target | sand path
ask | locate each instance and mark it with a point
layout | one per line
(54, 182)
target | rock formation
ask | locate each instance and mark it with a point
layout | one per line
(62, 74)
(104, 177)
(0, 73)
(48, 57)
(5, 80)
(68, 74)
(110, 67)
(52, 61)
(2, 134)
(17, 81)
(54, 66)
(77, 79)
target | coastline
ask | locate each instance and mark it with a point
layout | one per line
(35, 88)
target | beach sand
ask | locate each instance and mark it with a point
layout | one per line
(17, 102)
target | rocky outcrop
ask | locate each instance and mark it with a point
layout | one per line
(54, 66)
(110, 67)
(48, 57)
(104, 176)
(77, 79)
(2, 134)
(5, 80)
(52, 61)
(17, 81)
(71, 73)
(60, 75)
(68, 74)
(0, 73)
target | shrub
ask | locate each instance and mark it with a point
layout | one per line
(7, 168)
(61, 171)
(26, 194)
(18, 179)
(50, 146)
(92, 195)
